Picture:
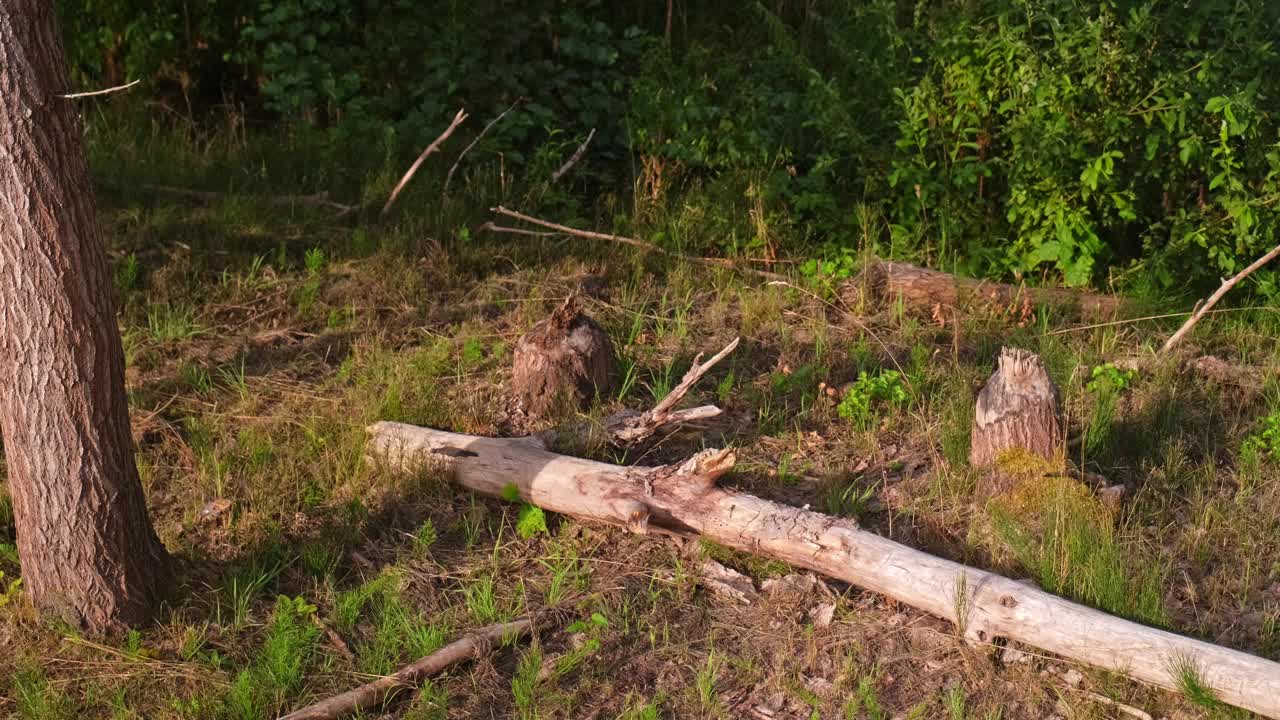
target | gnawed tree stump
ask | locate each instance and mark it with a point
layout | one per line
(566, 359)
(1017, 409)
(684, 499)
(930, 292)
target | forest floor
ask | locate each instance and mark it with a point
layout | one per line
(263, 337)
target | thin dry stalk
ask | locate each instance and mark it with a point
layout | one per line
(434, 146)
(454, 168)
(721, 263)
(1216, 296)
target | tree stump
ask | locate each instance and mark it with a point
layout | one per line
(1017, 408)
(565, 360)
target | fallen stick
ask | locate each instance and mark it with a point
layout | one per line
(685, 500)
(105, 91)
(1216, 296)
(378, 692)
(921, 290)
(574, 158)
(454, 168)
(722, 263)
(627, 429)
(320, 199)
(434, 146)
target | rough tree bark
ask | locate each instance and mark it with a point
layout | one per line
(87, 548)
(1017, 408)
(922, 290)
(567, 358)
(685, 500)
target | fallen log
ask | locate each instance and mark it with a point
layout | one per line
(925, 291)
(685, 500)
(378, 692)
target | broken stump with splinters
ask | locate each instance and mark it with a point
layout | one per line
(566, 359)
(1017, 410)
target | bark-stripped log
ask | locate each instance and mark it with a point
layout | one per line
(922, 291)
(685, 499)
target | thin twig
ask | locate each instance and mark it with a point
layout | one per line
(1145, 318)
(95, 93)
(449, 178)
(434, 146)
(573, 159)
(319, 199)
(1216, 296)
(710, 262)
(376, 693)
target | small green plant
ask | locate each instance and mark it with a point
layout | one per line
(525, 683)
(885, 389)
(1190, 679)
(281, 662)
(482, 600)
(850, 500)
(1265, 441)
(314, 260)
(530, 519)
(128, 272)
(1107, 383)
(9, 590)
(707, 679)
(425, 537)
(168, 323)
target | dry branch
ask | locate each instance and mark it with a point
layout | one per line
(378, 692)
(574, 158)
(434, 146)
(627, 429)
(105, 91)
(922, 290)
(1216, 296)
(320, 199)
(454, 168)
(722, 263)
(686, 500)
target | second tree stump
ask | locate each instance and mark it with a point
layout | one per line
(1017, 409)
(563, 361)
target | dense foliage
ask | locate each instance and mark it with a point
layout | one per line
(1086, 141)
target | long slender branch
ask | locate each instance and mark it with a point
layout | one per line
(105, 91)
(722, 263)
(434, 146)
(573, 159)
(1216, 296)
(454, 168)
(378, 692)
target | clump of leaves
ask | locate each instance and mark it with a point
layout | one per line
(1266, 439)
(1107, 383)
(531, 519)
(884, 389)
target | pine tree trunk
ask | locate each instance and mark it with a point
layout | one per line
(86, 545)
(1017, 409)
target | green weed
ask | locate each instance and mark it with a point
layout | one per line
(170, 323)
(885, 388)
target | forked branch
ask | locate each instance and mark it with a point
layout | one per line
(433, 147)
